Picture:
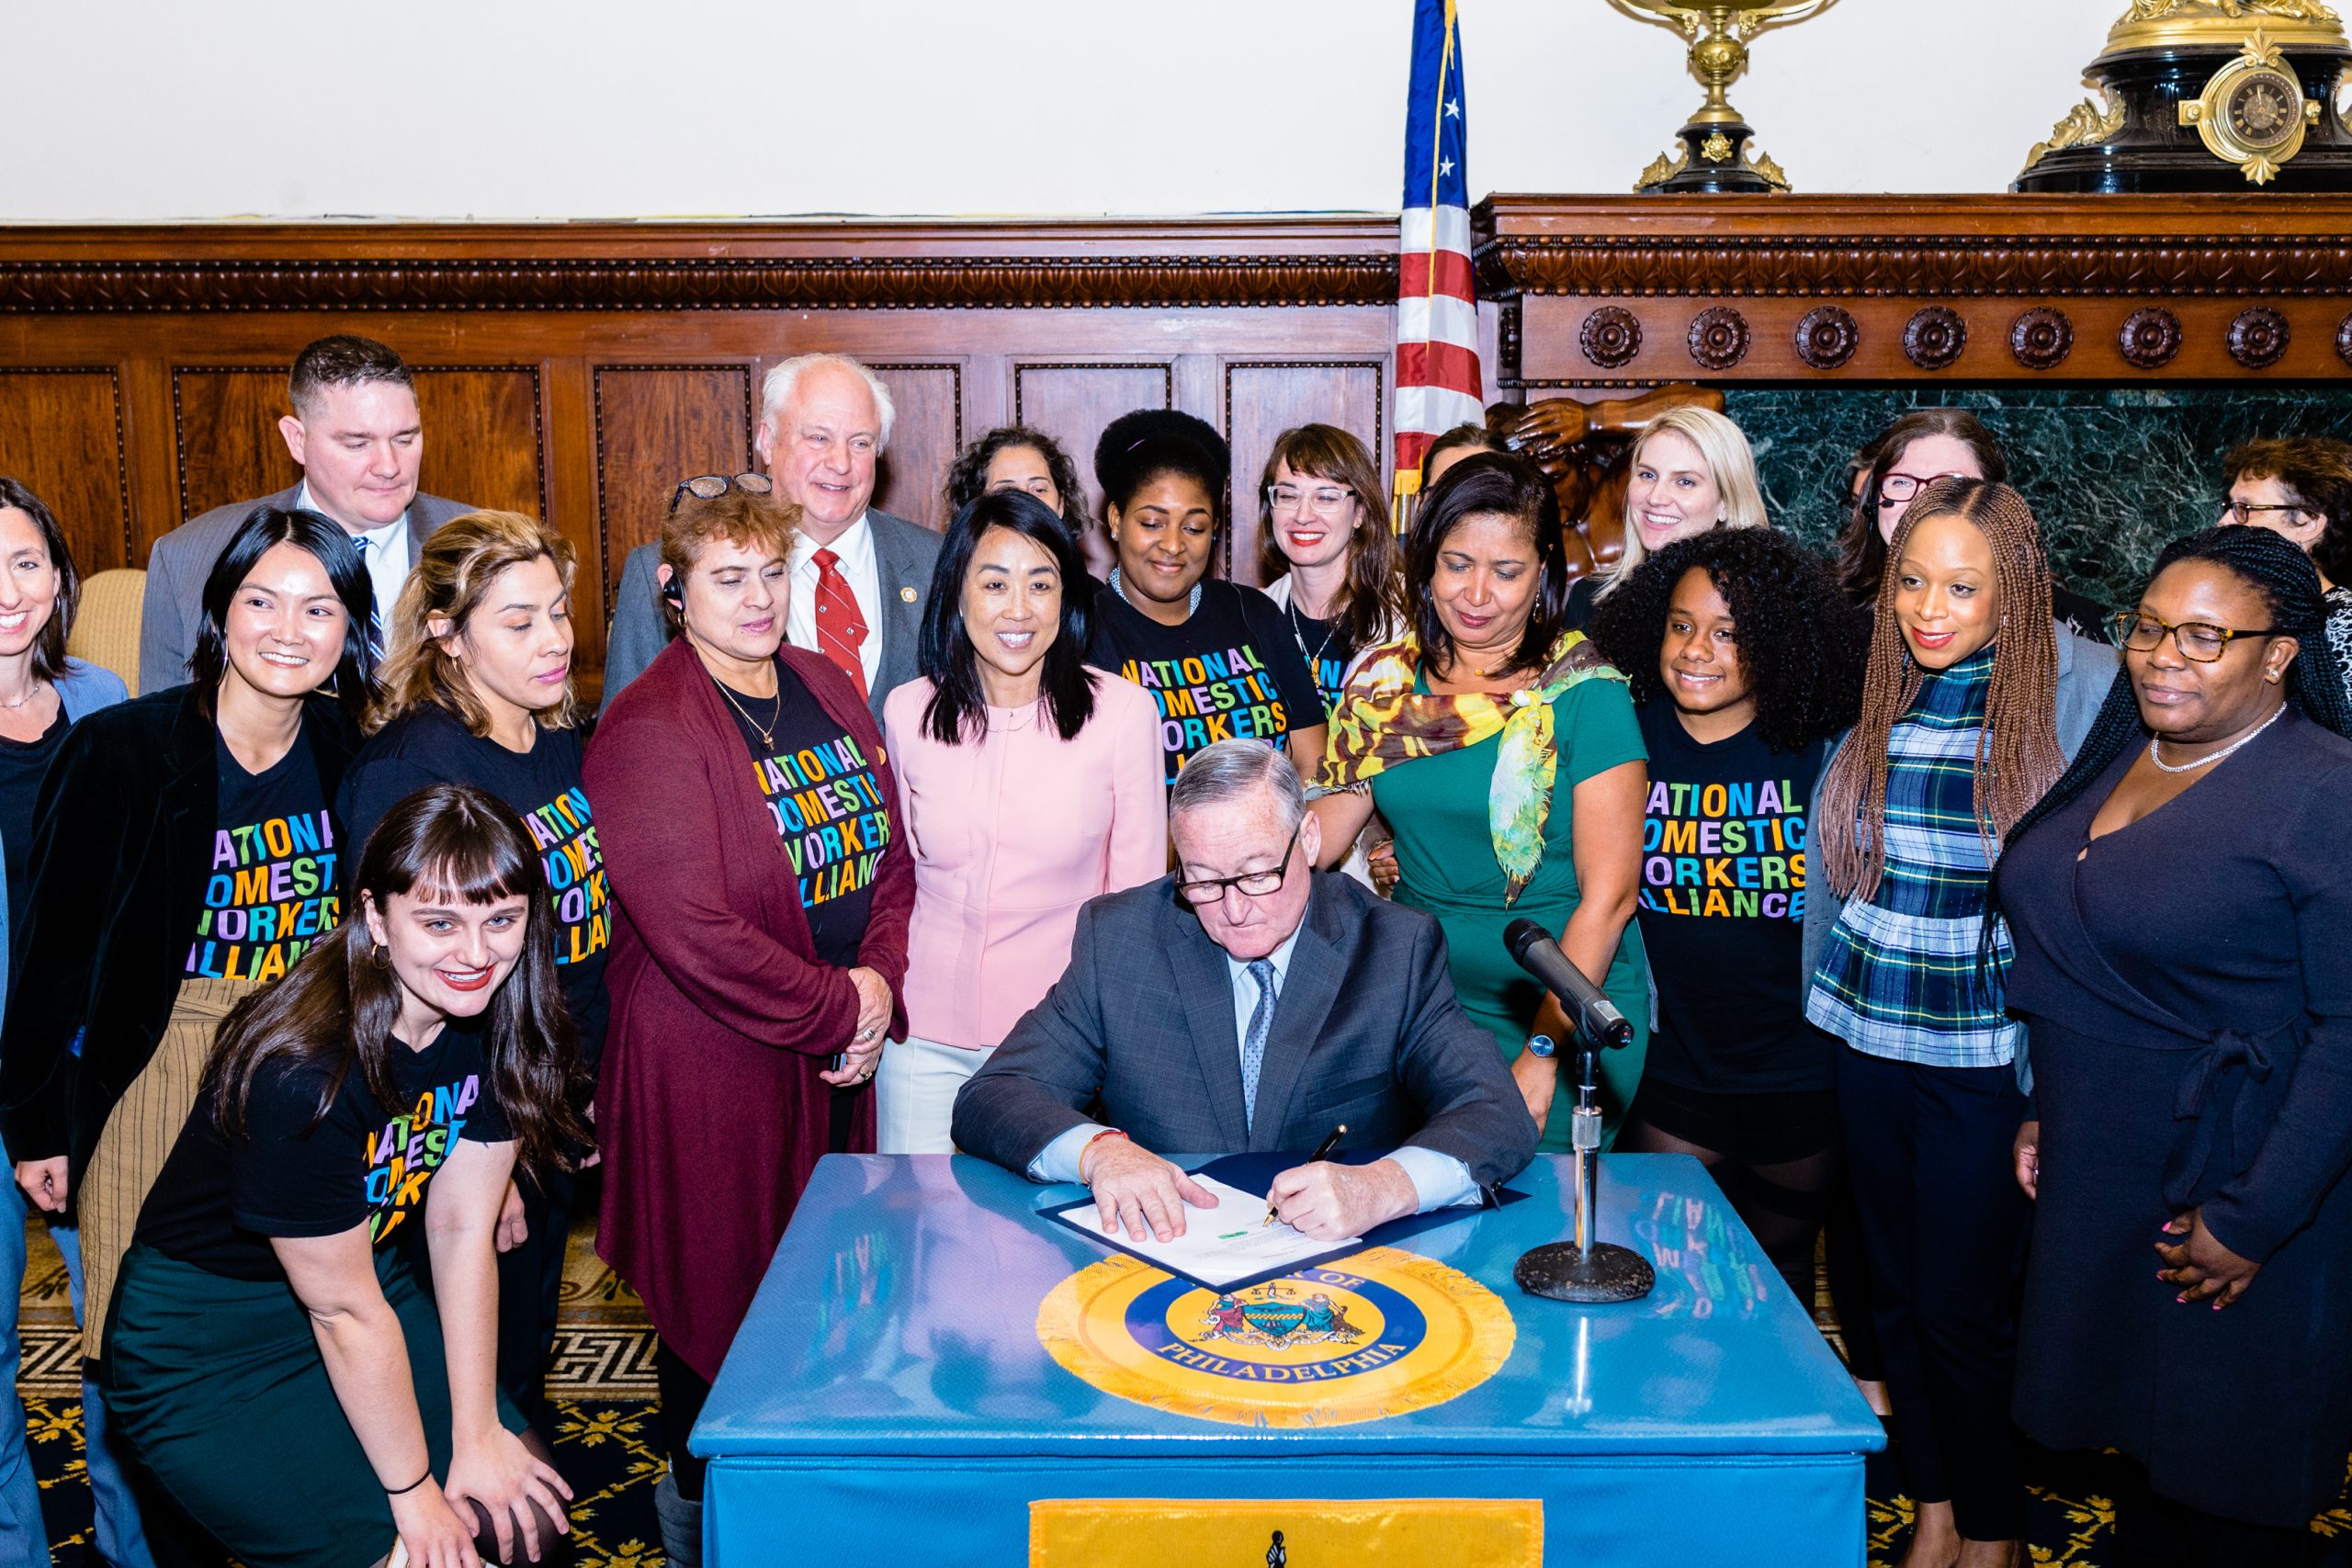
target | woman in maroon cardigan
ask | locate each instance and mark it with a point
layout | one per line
(764, 891)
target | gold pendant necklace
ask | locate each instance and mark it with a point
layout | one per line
(775, 716)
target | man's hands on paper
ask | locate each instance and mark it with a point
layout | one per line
(1135, 1186)
(1329, 1200)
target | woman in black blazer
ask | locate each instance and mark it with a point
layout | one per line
(185, 851)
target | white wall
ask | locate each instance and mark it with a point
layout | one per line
(151, 109)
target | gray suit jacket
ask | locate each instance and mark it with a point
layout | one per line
(1139, 1035)
(181, 560)
(904, 554)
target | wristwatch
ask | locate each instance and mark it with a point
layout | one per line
(1542, 1045)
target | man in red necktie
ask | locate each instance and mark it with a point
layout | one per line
(860, 577)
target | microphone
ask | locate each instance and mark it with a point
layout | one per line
(1595, 1016)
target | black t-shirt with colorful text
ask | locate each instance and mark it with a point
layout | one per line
(820, 788)
(1232, 671)
(291, 1172)
(1724, 859)
(428, 746)
(271, 889)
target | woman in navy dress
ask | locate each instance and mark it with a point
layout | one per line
(2179, 904)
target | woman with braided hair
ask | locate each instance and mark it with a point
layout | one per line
(1972, 699)
(2181, 903)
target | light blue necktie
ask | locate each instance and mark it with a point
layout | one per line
(1253, 1049)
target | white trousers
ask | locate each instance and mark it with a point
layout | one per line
(914, 1094)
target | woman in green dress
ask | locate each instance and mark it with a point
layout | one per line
(1505, 752)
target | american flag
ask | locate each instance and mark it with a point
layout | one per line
(1438, 383)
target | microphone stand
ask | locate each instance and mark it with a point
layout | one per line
(1587, 1268)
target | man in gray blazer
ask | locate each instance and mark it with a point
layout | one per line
(826, 420)
(1250, 1002)
(355, 433)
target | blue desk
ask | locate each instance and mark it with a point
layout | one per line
(889, 1400)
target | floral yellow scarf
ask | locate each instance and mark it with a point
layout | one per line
(1382, 722)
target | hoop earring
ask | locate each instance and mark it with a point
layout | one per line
(383, 957)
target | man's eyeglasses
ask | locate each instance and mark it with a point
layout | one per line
(710, 487)
(1901, 489)
(2200, 641)
(1326, 500)
(1255, 884)
(2243, 512)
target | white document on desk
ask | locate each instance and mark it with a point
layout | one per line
(1230, 1241)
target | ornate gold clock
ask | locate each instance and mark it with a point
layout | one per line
(2253, 112)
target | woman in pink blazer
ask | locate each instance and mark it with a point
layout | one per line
(1028, 783)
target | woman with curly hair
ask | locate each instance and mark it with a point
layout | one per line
(1743, 660)
(2180, 905)
(1013, 456)
(1972, 701)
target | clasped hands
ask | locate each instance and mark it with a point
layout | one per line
(1324, 1200)
(863, 1049)
(2194, 1259)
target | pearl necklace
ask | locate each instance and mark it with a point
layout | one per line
(2158, 757)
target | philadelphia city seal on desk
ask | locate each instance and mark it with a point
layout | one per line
(1385, 1333)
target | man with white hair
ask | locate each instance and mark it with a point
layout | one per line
(1250, 1002)
(859, 576)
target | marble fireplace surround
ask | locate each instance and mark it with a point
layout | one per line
(2119, 346)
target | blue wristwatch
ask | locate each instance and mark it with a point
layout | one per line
(1542, 1045)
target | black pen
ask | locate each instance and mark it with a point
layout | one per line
(1322, 1151)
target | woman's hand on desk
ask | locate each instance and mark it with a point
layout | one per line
(1137, 1188)
(1327, 1201)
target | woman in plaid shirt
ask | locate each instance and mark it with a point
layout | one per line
(1973, 702)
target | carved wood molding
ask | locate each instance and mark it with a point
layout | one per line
(679, 267)
(1900, 246)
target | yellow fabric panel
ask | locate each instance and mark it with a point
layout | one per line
(1394, 1532)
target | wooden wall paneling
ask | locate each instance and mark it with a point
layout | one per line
(567, 391)
(224, 423)
(1264, 398)
(61, 437)
(926, 435)
(484, 444)
(151, 451)
(657, 424)
(1073, 402)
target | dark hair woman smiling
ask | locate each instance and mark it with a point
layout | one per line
(185, 853)
(1218, 657)
(1743, 660)
(1504, 750)
(2181, 904)
(266, 1327)
(1973, 700)
(1028, 784)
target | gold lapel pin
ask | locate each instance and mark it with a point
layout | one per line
(907, 595)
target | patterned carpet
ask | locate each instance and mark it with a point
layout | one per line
(607, 1444)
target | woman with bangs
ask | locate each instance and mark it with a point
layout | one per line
(1331, 564)
(477, 689)
(748, 821)
(273, 1357)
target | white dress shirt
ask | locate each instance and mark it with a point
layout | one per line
(386, 552)
(856, 548)
(1439, 1181)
